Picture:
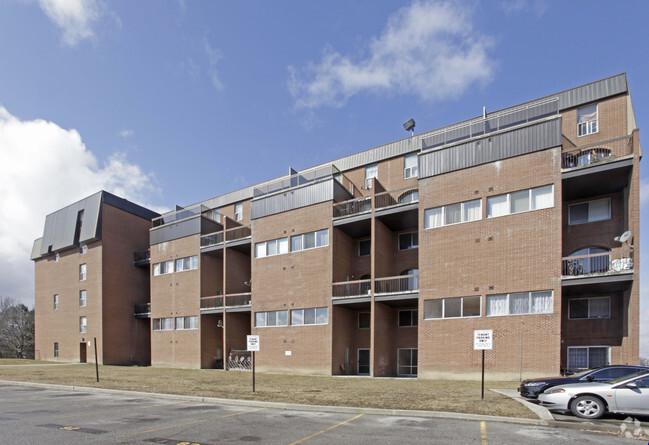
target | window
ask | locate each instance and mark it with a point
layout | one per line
(587, 121)
(184, 323)
(520, 303)
(83, 249)
(273, 318)
(82, 298)
(163, 324)
(56, 349)
(364, 247)
(407, 362)
(455, 307)
(410, 166)
(583, 308)
(83, 325)
(409, 196)
(163, 268)
(408, 318)
(55, 302)
(585, 357)
(187, 263)
(363, 361)
(590, 211)
(521, 201)
(371, 171)
(310, 240)
(408, 241)
(82, 272)
(363, 320)
(453, 214)
(319, 315)
(272, 247)
(238, 212)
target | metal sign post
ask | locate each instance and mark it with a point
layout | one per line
(483, 340)
(96, 361)
(253, 345)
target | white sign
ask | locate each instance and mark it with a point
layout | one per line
(253, 342)
(483, 339)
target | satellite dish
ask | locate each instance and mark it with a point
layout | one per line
(624, 238)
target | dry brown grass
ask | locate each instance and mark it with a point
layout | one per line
(410, 394)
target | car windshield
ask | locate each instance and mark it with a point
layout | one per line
(628, 377)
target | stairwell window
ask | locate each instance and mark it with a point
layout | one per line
(587, 121)
(238, 212)
(82, 272)
(318, 315)
(82, 298)
(455, 307)
(83, 325)
(187, 263)
(55, 302)
(163, 268)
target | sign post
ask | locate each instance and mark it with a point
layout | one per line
(253, 345)
(483, 340)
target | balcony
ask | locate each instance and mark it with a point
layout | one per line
(142, 310)
(384, 288)
(239, 235)
(179, 215)
(142, 258)
(233, 303)
(597, 153)
(606, 266)
(300, 178)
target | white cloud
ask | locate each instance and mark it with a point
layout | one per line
(75, 18)
(427, 49)
(213, 57)
(512, 7)
(126, 133)
(44, 168)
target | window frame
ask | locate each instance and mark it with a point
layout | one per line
(191, 260)
(265, 314)
(56, 349)
(530, 201)
(315, 240)
(462, 307)
(238, 211)
(83, 249)
(412, 367)
(412, 244)
(158, 324)
(277, 242)
(588, 348)
(369, 320)
(55, 302)
(588, 126)
(315, 316)
(589, 299)
(508, 305)
(414, 318)
(444, 208)
(184, 323)
(413, 170)
(83, 301)
(570, 207)
(83, 272)
(369, 242)
(163, 268)
(83, 324)
(371, 171)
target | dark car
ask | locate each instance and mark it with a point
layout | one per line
(532, 387)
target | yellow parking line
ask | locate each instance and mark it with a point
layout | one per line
(325, 430)
(193, 422)
(94, 413)
(483, 432)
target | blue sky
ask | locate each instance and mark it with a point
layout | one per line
(172, 102)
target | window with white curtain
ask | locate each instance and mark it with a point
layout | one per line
(187, 263)
(587, 120)
(460, 212)
(163, 268)
(521, 201)
(591, 211)
(584, 308)
(410, 166)
(272, 247)
(586, 357)
(184, 323)
(520, 303)
(238, 212)
(371, 171)
(310, 240)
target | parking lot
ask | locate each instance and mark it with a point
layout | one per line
(31, 415)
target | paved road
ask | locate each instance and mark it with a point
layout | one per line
(36, 415)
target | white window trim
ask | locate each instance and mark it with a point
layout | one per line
(238, 211)
(315, 235)
(183, 259)
(570, 223)
(444, 214)
(83, 325)
(184, 323)
(519, 315)
(444, 317)
(85, 298)
(588, 124)
(266, 319)
(55, 302)
(589, 300)
(410, 172)
(85, 272)
(316, 317)
(509, 201)
(368, 179)
(173, 321)
(276, 240)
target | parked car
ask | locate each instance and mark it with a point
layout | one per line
(626, 395)
(533, 387)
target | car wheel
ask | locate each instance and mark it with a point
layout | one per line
(587, 407)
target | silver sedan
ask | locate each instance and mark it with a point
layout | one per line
(626, 395)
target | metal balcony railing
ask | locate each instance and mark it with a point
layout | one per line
(212, 302)
(179, 214)
(141, 257)
(352, 207)
(234, 234)
(390, 198)
(346, 289)
(212, 239)
(597, 153)
(604, 263)
(142, 309)
(295, 180)
(231, 300)
(397, 285)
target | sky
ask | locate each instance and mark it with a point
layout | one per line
(171, 102)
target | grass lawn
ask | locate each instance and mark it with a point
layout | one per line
(431, 395)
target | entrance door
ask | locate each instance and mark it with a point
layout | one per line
(363, 362)
(83, 352)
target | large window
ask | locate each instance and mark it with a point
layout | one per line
(408, 241)
(183, 323)
(586, 357)
(584, 308)
(410, 166)
(520, 303)
(163, 324)
(455, 307)
(318, 315)
(453, 214)
(590, 211)
(82, 272)
(371, 171)
(310, 240)
(407, 362)
(163, 268)
(521, 201)
(587, 121)
(408, 318)
(272, 318)
(187, 263)
(82, 298)
(272, 247)
(83, 325)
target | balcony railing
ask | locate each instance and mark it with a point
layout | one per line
(387, 285)
(142, 257)
(346, 289)
(604, 263)
(231, 300)
(390, 198)
(295, 180)
(234, 234)
(352, 207)
(179, 214)
(142, 310)
(597, 153)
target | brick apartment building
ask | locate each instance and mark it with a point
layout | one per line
(381, 263)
